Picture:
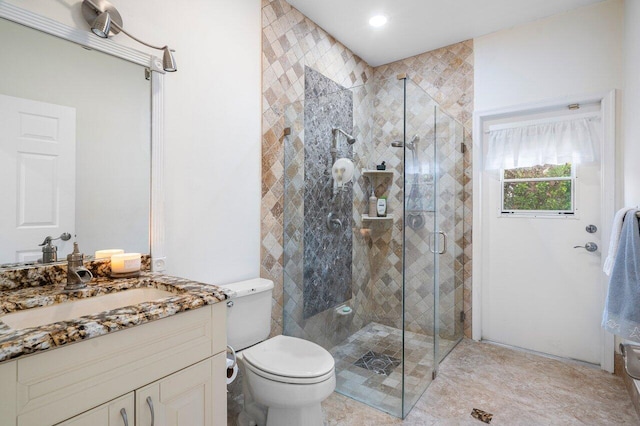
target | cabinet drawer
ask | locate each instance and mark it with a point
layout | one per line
(56, 385)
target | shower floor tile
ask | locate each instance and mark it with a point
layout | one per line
(360, 373)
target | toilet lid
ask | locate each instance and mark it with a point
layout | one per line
(290, 357)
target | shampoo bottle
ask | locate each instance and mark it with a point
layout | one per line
(382, 207)
(373, 201)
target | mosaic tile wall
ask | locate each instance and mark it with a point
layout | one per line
(446, 74)
(377, 282)
(291, 42)
(328, 204)
(427, 127)
(295, 322)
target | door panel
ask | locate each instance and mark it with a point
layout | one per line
(37, 159)
(181, 399)
(539, 292)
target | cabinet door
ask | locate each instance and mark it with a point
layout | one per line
(118, 412)
(185, 398)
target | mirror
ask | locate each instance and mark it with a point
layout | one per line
(75, 142)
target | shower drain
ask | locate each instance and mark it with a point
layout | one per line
(378, 363)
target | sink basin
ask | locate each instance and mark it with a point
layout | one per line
(35, 317)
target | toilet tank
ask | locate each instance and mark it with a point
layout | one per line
(249, 316)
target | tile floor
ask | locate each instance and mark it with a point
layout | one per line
(358, 377)
(518, 388)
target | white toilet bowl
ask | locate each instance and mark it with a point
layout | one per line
(284, 381)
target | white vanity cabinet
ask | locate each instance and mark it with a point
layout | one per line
(178, 361)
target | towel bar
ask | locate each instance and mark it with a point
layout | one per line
(631, 355)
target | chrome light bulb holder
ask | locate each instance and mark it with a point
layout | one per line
(101, 19)
(105, 20)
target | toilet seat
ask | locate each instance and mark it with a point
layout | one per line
(288, 359)
(289, 380)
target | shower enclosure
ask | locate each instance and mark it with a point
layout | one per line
(382, 294)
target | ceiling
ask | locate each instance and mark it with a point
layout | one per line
(417, 26)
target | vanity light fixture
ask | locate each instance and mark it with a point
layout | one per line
(102, 25)
(105, 20)
(378, 20)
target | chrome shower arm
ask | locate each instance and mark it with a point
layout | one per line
(350, 139)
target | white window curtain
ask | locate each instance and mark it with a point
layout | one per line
(553, 142)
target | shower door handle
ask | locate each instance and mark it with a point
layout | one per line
(444, 242)
(432, 237)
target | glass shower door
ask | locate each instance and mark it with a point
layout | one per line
(419, 252)
(449, 221)
(433, 240)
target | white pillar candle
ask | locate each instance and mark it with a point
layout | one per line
(101, 254)
(125, 263)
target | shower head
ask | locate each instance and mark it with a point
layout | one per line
(350, 139)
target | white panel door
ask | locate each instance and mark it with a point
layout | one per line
(181, 399)
(37, 171)
(538, 291)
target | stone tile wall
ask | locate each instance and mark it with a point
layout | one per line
(291, 42)
(327, 245)
(435, 138)
(446, 74)
(297, 324)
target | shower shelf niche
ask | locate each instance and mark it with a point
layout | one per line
(387, 218)
(374, 226)
(377, 173)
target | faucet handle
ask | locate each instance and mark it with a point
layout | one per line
(46, 241)
(65, 236)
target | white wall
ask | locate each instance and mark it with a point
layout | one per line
(212, 127)
(574, 53)
(631, 102)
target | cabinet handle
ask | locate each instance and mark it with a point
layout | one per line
(150, 404)
(123, 413)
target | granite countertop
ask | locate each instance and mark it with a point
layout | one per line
(14, 343)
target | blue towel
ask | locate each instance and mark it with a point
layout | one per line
(622, 309)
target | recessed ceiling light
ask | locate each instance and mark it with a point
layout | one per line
(378, 21)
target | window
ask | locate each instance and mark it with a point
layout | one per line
(545, 189)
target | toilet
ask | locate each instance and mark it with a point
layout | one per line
(284, 378)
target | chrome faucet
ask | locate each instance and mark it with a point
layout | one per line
(77, 275)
